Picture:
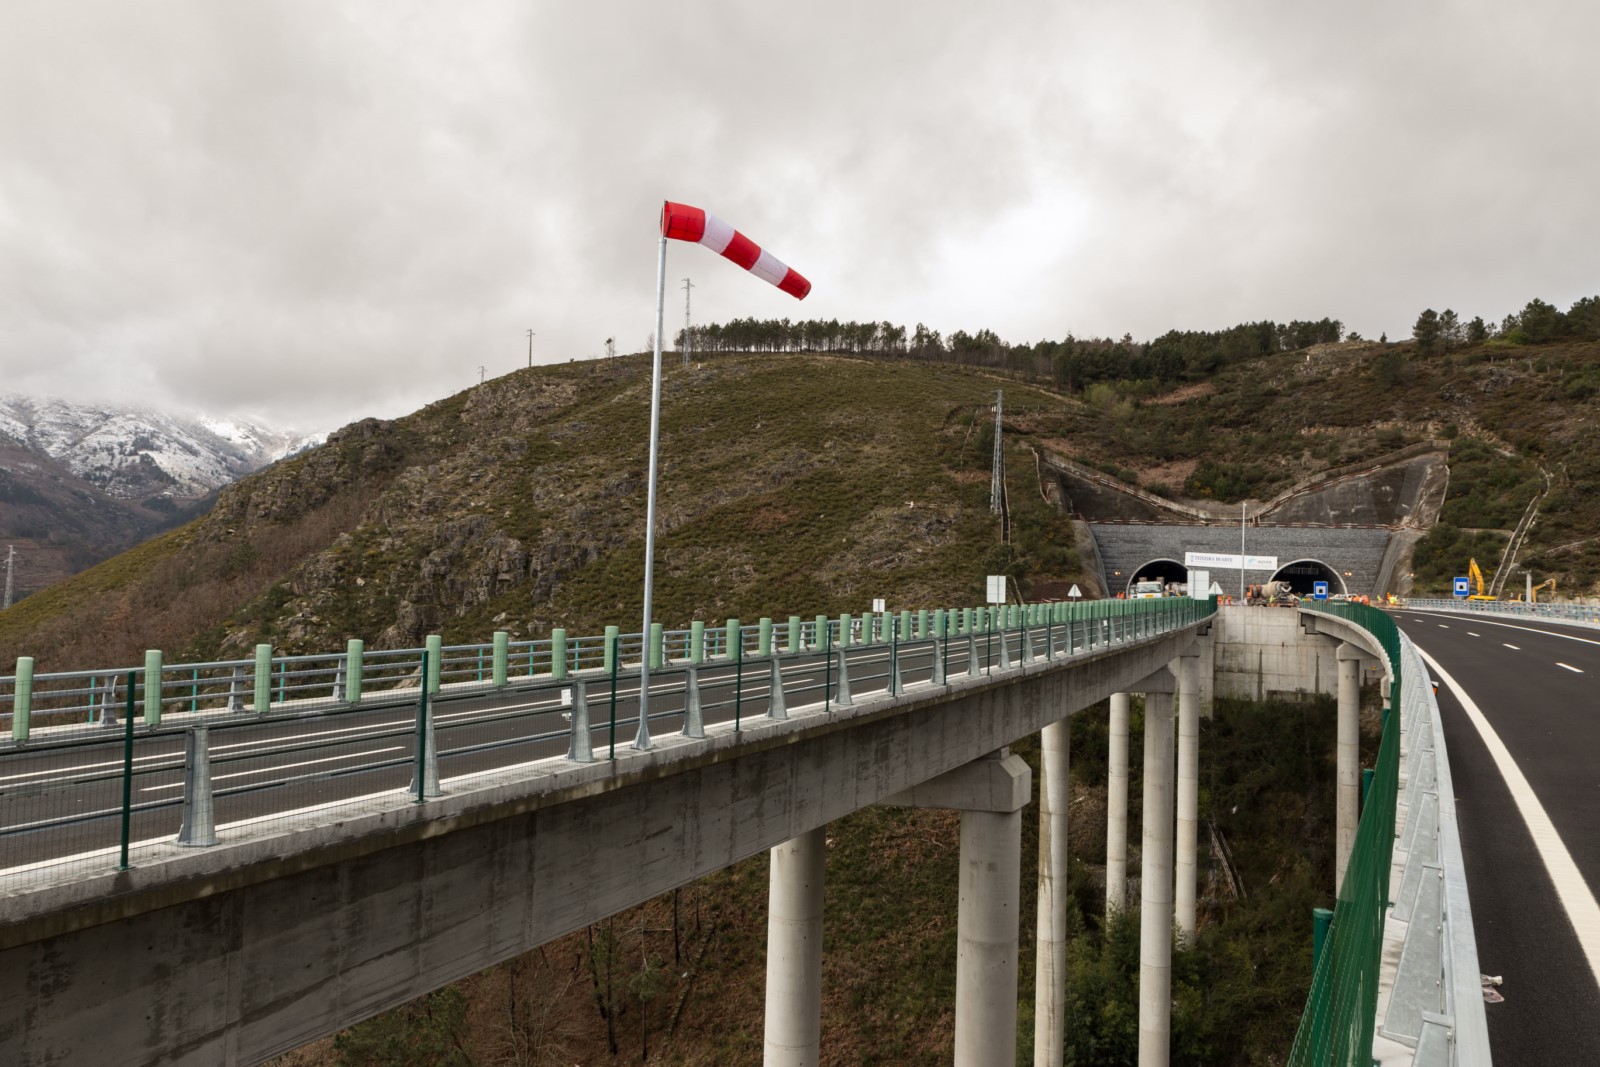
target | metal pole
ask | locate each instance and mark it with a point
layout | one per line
(530, 349)
(1241, 551)
(127, 774)
(642, 739)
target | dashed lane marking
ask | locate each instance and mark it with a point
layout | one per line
(1513, 648)
(1570, 667)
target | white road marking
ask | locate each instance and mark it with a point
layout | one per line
(275, 768)
(1577, 900)
(1442, 626)
(1513, 648)
(1536, 630)
(1570, 667)
(1471, 634)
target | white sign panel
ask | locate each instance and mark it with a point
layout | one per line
(1199, 582)
(1229, 561)
(1074, 593)
(997, 589)
(1215, 590)
(877, 604)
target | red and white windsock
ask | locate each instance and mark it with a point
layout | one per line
(684, 223)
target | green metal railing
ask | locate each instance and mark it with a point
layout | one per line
(1340, 1017)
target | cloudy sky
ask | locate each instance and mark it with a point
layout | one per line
(309, 211)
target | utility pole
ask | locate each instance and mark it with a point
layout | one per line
(530, 349)
(11, 556)
(688, 344)
(997, 473)
(480, 373)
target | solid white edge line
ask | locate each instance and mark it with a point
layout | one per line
(1577, 899)
(1525, 629)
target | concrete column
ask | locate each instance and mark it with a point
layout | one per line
(794, 952)
(1347, 791)
(1050, 960)
(1185, 863)
(990, 793)
(1117, 807)
(1155, 903)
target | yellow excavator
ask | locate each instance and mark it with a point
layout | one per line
(1477, 576)
(1548, 583)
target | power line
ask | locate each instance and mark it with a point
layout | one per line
(997, 472)
(688, 343)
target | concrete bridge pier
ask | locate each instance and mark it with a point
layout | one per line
(1155, 904)
(794, 952)
(1347, 791)
(1050, 960)
(990, 793)
(1117, 807)
(1186, 864)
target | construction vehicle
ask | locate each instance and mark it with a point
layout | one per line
(1270, 593)
(1477, 576)
(1533, 590)
(1147, 589)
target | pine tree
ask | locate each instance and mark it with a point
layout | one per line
(1426, 332)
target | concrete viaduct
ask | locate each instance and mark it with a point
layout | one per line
(233, 954)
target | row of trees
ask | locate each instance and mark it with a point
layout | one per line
(1534, 324)
(1073, 362)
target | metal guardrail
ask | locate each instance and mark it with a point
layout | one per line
(1577, 614)
(1428, 1005)
(104, 766)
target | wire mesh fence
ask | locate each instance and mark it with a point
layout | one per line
(105, 768)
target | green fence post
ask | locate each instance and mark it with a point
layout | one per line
(22, 699)
(502, 657)
(435, 663)
(152, 687)
(905, 625)
(844, 630)
(697, 642)
(354, 650)
(1321, 919)
(764, 638)
(735, 641)
(1366, 783)
(820, 638)
(558, 653)
(794, 633)
(127, 770)
(613, 640)
(658, 639)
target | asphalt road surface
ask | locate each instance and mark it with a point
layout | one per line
(1536, 690)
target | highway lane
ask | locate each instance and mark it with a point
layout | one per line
(1534, 685)
(264, 768)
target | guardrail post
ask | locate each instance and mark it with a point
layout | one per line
(1005, 650)
(581, 748)
(842, 696)
(922, 624)
(558, 653)
(694, 722)
(434, 662)
(939, 646)
(199, 828)
(425, 774)
(108, 702)
(22, 699)
(819, 639)
(794, 633)
(354, 650)
(764, 638)
(735, 641)
(152, 687)
(905, 624)
(613, 640)
(697, 642)
(973, 667)
(338, 678)
(502, 658)
(777, 707)
(844, 630)
(1027, 643)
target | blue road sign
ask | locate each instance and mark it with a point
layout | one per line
(1319, 590)
(1460, 587)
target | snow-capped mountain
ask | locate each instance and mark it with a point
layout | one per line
(141, 454)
